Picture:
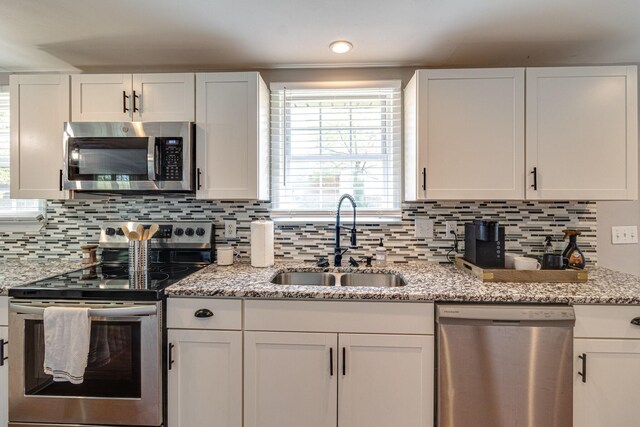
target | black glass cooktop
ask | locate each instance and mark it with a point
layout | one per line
(108, 282)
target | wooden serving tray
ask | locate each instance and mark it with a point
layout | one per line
(508, 275)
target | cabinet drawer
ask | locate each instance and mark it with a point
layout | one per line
(340, 316)
(606, 321)
(227, 314)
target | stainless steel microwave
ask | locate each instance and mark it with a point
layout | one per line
(128, 156)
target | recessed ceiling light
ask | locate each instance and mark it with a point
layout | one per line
(341, 46)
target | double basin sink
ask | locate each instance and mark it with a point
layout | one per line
(378, 280)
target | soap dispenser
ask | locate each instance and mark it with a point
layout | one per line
(572, 254)
(381, 254)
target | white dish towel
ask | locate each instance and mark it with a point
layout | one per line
(67, 334)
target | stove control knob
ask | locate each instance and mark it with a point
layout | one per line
(110, 231)
(120, 232)
(200, 231)
(189, 231)
(178, 231)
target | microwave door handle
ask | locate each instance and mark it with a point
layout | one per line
(144, 310)
(152, 159)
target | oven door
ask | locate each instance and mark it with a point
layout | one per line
(123, 379)
(106, 161)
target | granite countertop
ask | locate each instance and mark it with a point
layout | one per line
(17, 272)
(425, 282)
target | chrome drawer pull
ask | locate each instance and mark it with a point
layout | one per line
(635, 321)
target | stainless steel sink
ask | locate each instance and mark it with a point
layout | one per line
(377, 280)
(305, 278)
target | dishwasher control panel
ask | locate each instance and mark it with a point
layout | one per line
(505, 312)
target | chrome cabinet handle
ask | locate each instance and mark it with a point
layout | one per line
(203, 313)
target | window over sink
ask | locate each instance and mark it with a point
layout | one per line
(12, 210)
(328, 139)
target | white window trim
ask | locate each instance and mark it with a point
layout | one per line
(293, 217)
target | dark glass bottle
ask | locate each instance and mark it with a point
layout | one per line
(574, 257)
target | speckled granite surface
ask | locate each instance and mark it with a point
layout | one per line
(425, 282)
(18, 272)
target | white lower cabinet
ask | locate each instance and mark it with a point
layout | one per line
(204, 362)
(358, 364)
(606, 385)
(290, 379)
(609, 395)
(385, 380)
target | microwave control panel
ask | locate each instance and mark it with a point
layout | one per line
(170, 158)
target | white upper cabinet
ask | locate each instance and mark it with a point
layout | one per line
(582, 133)
(464, 134)
(164, 97)
(137, 97)
(39, 108)
(232, 133)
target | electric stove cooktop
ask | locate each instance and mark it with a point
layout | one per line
(108, 282)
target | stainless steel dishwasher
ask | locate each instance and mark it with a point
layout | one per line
(505, 366)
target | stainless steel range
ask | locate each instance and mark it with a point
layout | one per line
(124, 382)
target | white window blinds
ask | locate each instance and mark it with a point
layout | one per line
(329, 141)
(11, 210)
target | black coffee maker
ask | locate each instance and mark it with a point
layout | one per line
(484, 244)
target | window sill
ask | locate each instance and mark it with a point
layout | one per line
(346, 219)
(28, 226)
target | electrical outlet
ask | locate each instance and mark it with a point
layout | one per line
(424, 228)
(627, 235)
(230, 229)
(450, 226)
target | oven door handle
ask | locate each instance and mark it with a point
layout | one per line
(145, 310)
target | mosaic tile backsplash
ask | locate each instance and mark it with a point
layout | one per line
(73, 223)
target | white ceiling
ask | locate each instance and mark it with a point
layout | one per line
(95, 35)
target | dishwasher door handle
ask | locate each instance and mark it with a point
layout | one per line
(583, 374)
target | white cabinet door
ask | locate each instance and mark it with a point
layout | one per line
(39, 108)
(610, 394)
(582, 133)
(101, 98)
(290, 379)
(164, 97)
(385, 380)
(4, 374)
(232, 136)
(464, 134)
(205, 379)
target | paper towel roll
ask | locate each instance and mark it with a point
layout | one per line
(262, 243)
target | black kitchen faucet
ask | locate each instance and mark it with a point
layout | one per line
(338, 252)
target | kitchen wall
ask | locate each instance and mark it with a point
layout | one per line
(76, 222)
(624, 258)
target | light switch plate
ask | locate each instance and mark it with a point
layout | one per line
(424, 228)
(624, 235)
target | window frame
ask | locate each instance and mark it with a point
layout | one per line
(296, 216)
